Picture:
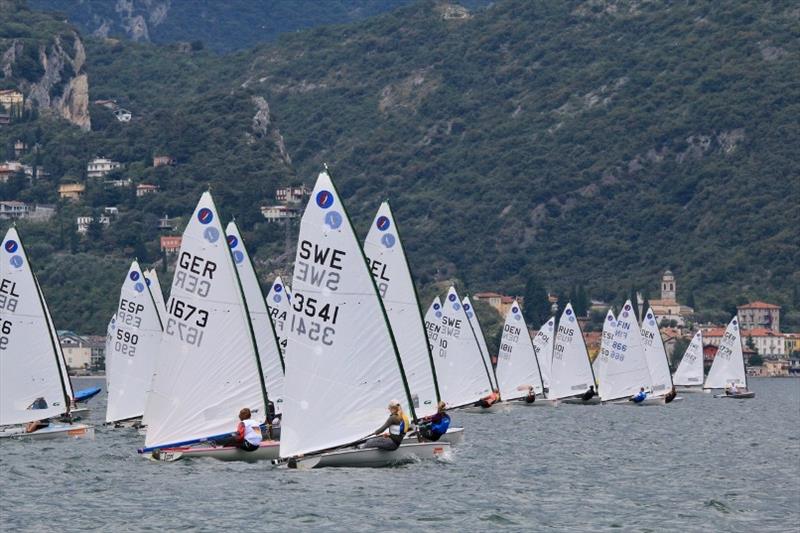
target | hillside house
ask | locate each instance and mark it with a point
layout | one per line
(13, 210)
(760, 315)
(20, 148)
(276, 213)
(500, 302)
(292, 195)
(100, 166)
(77, 350)
(9, 169)
(164, 161)
(12, 100)
(123, 115)
(171, 244)
(71, 191)
(144, 188)
(83, 223)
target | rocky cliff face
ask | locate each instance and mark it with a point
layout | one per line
(62, 88)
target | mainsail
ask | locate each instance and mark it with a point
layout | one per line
(571, 372)
(627, 368)
(656, 355)
(690, 369)
(31, 384)
(543, 346)
(266, 340)
(343, 366)
(389, 267)
(131, 350)
(208, 366)
(460, 369)
(472, 315)
(606, 340)
(280, 310)
(155, 289)
(728, 365)
(517, 368)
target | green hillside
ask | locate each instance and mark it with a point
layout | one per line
(593, 143)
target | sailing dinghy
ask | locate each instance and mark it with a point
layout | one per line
(278, 302)
(543, 347)
(689, 376)
(518, 371)
(132, 345)
(600, 362)
(571, 370)
(266, 340)
(343, 364)
(208, 366)
(472, 315)
(460, 368)
(627, 370)
(656, 356)
(728, 366)
(32, 384)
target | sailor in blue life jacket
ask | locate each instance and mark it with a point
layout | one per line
(247, 436)
(433, 427)
(30, 427)
(397, 424)
(640, 396)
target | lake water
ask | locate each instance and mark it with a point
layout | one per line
(698, 465)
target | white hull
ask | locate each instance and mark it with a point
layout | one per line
(495, 407)
(266, 452)
(738, 396)
(688, 389)
(80, 413)
(374, 457)
(453, 436)
(53, 431)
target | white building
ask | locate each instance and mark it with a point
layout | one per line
(83, 223)
(77, 350)
(13, 209)
(145, 188)
(768, 343)
(275, 213)
(292, 195)
(100, 166)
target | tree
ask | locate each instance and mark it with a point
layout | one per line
(582, 302)
(537, 306)
(690, 301)
(755, 360)
(751, 344)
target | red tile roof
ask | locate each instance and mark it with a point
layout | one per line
(479, 295)
(758, 305)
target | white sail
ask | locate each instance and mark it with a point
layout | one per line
(728, 365)
(62, 361)
(266, 340)
(627, 369)
(606, 340)
(517, 368)
(656, 355)
(389, 267)
(132, 350)
(29, 366)
(151, 276)
(472, 315)
(207, 368)
(110, 332)
(543, 346)
(571, 369)
(690, 369)
(280, 309)
(343, 367)
(460, 369)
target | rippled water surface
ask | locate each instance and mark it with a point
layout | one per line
(698, 465)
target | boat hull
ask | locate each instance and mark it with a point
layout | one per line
(86, 394)
(374, 457)
(738, 396)
(267, 451)
(595, 400)
(454, 436)
(684, 390)
(53, 431)
(495, 407)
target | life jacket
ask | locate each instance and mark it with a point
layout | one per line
(440, 427)
(402, 427)
(252, 431)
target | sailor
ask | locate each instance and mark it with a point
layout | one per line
(397, 424)
(640, 396)
(247, 436)
(670, 395)
(531, 396)
(489, 400)
(732, 389)
(30, 427)
(433, 427)
(589, 394)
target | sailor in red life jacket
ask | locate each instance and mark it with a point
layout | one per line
(489, 400)
(247, 436)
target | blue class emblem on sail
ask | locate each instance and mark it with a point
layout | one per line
(324, 199)
(134, 276)
(139, 287)
(233, 242)
(238, 256)
(211, 234)
(333, 219)
(16, 261)
(11, 246)
(205, 215)
(383, 223)
(388, 240)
